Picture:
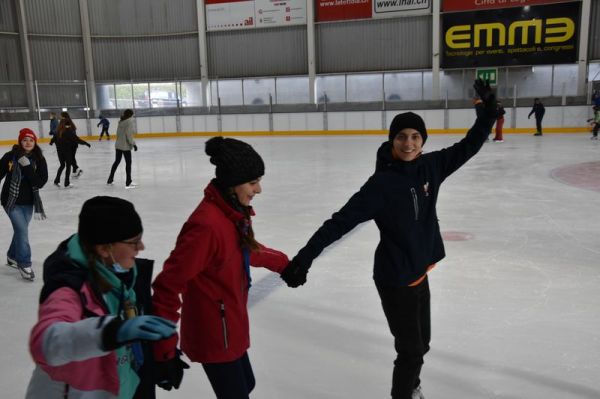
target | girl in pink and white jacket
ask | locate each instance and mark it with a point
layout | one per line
(89, 338)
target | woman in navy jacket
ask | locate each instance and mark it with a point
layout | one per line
(401, 198)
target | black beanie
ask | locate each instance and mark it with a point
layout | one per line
(237, 162)
(408, 120)
(104, 220)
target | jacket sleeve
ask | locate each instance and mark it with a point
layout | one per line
(60, 336)
(361, 207)
(193, 252)
(531, 112)
(3, 166)
(449, 159)
(129, 135)
(38, 177)
(269, 258)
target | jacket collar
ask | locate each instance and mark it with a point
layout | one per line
(213, 194)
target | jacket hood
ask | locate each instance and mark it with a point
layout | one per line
(60, 271)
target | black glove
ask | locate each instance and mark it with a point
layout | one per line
(295, 273)
(134, 147)
(485, 92)
(168, 374)
(88, 145)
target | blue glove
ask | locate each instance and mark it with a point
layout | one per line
(149, 328)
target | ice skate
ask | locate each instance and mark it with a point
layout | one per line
(26, 272)
(11, 262)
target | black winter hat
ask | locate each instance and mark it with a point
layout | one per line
(104, 220)
(236, 161)
(407, 120)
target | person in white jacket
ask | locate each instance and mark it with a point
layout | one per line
(123, 146)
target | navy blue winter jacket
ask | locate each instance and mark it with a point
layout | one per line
(401, 198)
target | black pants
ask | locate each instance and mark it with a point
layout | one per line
(65, 158)
(74, 160)
(407, 310)
(115, 165)
(231, 380)
(538, 124)
(104, 130)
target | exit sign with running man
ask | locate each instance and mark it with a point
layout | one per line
(490, 74)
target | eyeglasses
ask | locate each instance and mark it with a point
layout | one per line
(135, 243)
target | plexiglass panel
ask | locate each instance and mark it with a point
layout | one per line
(191, 94)
(565, 80)
(331, 89)
(123, 96)
(229, 91)
(403, 86)
(531, 81)
(257, 91)
(364, 87)
(163, 95)
(105, 95)
(292, 90)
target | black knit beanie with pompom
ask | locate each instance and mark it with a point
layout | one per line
(237, 162)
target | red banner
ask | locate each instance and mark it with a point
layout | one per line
(338, 10)
(465, 5)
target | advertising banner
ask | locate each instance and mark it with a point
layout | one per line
(511, 36)
(247, 14)
(339, 10)
(467, 5)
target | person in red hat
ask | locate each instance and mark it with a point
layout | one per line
(24, 171)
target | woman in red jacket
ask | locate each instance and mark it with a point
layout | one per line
(209, 267)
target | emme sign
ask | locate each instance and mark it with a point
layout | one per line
(551, 30)
(542, 35)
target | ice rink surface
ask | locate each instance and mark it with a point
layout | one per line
(515, 304)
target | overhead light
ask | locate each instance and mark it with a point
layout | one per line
(64, 110)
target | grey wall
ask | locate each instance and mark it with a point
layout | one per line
(375, 45)
(594, 36)
(257, 52)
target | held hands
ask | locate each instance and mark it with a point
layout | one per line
(168, 374)
(24, 161)
(295, 273)
(485, 92)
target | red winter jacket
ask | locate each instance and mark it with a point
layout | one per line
(206, 267)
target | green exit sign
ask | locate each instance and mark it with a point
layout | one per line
(490, 74)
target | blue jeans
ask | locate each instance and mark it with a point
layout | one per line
(19, 249)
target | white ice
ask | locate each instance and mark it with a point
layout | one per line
(515, 309)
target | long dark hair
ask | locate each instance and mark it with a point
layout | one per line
(65, 123)
(36, 153)
(247, 239)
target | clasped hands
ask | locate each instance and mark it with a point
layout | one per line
(295, 273)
